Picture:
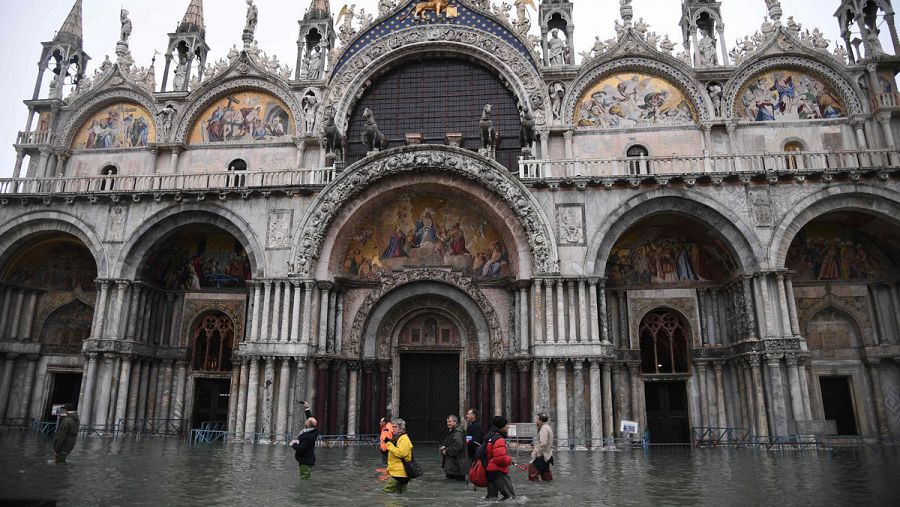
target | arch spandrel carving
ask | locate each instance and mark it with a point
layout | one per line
(361, 322)
(516, 69)
(441, 159)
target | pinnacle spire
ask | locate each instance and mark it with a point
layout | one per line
(193, 18)
(318, 9)
(71, 28)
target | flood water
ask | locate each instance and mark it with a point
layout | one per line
(129, 471)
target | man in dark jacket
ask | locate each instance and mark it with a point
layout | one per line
(66, 433)
(453, 453)
(474, 434)
(305, 445)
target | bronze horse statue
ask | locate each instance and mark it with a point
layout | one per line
(334, 140)
(372, 138)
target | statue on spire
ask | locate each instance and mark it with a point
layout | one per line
(126, 26)
(250, 26)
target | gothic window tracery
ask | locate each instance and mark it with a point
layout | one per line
(212, 343)
(664, 342)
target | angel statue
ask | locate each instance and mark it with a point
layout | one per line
(522, 12)
(347, 13)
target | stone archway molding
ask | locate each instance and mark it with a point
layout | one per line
(389, 327)
(509, 62)
(23, 226)
(410, 159)
(868, 199)
(399, 287)
(154, 228)
(749, 252)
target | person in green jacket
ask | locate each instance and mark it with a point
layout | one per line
(399, 449)
(453, 451)
(66, 433)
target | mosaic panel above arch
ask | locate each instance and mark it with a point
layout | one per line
(633, 99)
(425, 230)
(244, 116)
(116, 126)
(53, 264)
(198, 256)
(669, 249)
(784, 94)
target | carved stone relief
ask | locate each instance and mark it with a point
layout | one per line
(115, 226)
(570, 222)
(761, 204)
(278, 234)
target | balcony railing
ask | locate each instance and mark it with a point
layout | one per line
(723, 164)
(38, 137)
(890, 100)
(237, 181)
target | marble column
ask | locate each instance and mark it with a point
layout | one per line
(498, 389)
(779, 416)
(538, 312)
(134, 392)
(561, 336)
(704, 399)
(351, 397)
(625, 338)
(234, 391)
(268, 378)
(122, 402)
(572, 331)
(100, 312)
(878, 396)
(795, 388)
(608, 429)
(747, 288)
(177, 412)
(9, 364)
(295, 311)
(324, 290)
(792, 305)
(330, 331)
(265, 321)
(783, 303)
(28, 384)
(543, 386)
(637, 399)
(596, 401)
(102, 405)
(767, 327)
(168, 372)
(804, 387)
(116, 318)
(133, 312)
(737, 371)
(523, 319)
(17, 315)
(252, 386)
(300, 393)
(31, 301)
(307, 311)
(255, 319)
(562, 413)
(284, 376)
(578, 415)
(240, 417)
(720, 394)
(548, 311)
(141, 409)
(762, 424)
(285, 311)
(583, 313)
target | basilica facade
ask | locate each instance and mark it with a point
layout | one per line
(439, 209)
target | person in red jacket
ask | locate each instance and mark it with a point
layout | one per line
(498, 461)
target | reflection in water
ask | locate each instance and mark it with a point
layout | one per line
(171, 472)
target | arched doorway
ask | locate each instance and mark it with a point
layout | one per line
(429, 350)
(664, 342)
(47, 295)
(211, 346)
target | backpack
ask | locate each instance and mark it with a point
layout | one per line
(478, 470)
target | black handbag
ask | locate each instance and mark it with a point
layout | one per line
(412, 468)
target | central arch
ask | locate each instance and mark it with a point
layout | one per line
(503, 190)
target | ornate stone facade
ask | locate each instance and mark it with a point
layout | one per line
(716, 224)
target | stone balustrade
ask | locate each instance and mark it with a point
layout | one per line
(886, 101)
(708, 164)
(38, 137)
(243, 180)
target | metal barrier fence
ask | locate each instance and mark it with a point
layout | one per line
(155, 427)
(45, 428)
(721, 437)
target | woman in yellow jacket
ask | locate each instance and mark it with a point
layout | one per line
(399, 449)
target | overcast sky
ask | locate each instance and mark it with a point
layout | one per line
(26, 23)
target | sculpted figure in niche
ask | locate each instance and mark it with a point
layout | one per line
(310, 104)
(557, 92)
(707, 47)
(314, 63)
(557, 49)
